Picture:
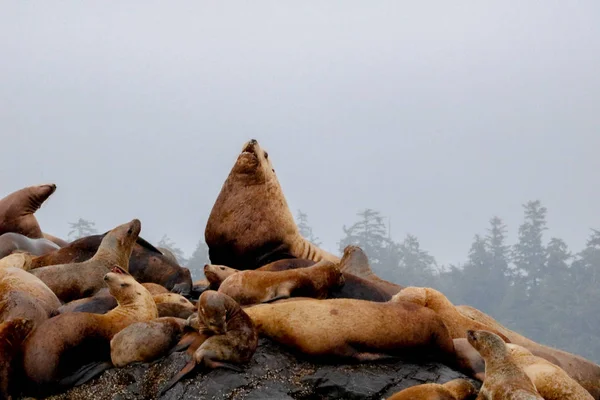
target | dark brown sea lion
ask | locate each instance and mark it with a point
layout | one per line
(12, 335)
(456, 389)
(78, 280)
(250, 223)
(56, 350)
(355, 261)
(10, 242)
(147, 264)
(17, 209)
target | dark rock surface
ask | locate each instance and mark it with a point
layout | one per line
(273, 373)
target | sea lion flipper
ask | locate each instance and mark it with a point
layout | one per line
(364, 357)
(184, 343)
(184, 371)
(85, 373)
(222, 364)
(279, 297)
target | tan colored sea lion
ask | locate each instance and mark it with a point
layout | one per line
(17, 260)
(457, 324)
(17, 209)
(250, 223)
(146, 264)
(12, 335)
(585, 372)
(145, 342)
(23, 295)
(456, 389)
(173, 305)
(252, 286)
(355, 329)
(234, 337)
(504, 379)
(57, 349)
(355, 261)
(11, 242)
(78, 280)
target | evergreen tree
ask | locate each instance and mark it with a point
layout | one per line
(305, 229)
(417, 265)
(198, 260)
(167, 243)
(475, 285)
(81, 228)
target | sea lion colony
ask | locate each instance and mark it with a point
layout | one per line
(69, 311)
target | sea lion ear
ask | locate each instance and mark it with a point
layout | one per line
(118, 270)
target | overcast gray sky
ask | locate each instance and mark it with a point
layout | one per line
(438, 114)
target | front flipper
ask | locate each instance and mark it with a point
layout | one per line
(85, 373)
(222, 364)
(189, 367)
(284, 291)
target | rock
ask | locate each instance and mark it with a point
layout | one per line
(273, 373)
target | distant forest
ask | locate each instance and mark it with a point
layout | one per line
(536, 287)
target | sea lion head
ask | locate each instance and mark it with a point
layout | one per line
(253, 163)
(120, 241)
(216, 274)
(212, 311)
(122, 286)
(488, 344)
(17, 209)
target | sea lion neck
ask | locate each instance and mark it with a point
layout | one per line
(36, 196)
(111, 252)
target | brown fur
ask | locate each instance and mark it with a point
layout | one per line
(456, 389)
(173, 305)
(146, 264)
(251, 287)
(355, 261)
(359, 329)
(11, 242)
(147, 341)
(78, 280)
(470, 361)
(17, 260)
(17, 209)
(12, 335)
(585, 372)
(155, 288)
(24, 295)
(457, 324)
(250, 223)
(63, 343)
(100, 303)
(504, 379)
(233, 339)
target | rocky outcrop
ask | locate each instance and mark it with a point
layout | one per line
(273, 373)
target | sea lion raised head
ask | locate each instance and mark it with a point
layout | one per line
(216, 274)
(18, 208)
(119, 243)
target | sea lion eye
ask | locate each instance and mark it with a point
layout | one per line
(124, 284)
(130, 231)
(266, 154)
(222, 268)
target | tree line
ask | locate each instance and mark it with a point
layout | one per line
(536, 287)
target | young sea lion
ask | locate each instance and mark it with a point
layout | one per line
(355, 261)
(11, 242)
(250, 223)
(17, 209)
(146, 264)
(145, 342)
(57, 349)
(234, 337)
(456, 389)
(12, 335)
(457, 324)
(585, 372)
(355, 329)
(253, 286)
(78, 280)
(504, 379)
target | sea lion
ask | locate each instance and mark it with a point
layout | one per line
(456, 389)
(173, 305)
(252, 286)
(100, 303)
(155, 288)
(250, 223)
(504, 379)
(56, 240)
(355, 329)
(585, 372)
(24, 295)
(144, 342)
(12, 335)
(355, 261)
(10, 242)
(17, 260)
(457, 324)
(168, 253)
(78, 280)
(146, 264)
(234, 337)
(62, 344)
(17, 209)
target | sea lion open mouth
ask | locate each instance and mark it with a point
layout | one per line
(118, 270)
(250, 147)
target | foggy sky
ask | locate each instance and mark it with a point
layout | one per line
(438, 114)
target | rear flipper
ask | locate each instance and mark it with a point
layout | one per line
(85, 373)
(189, 367)
(221, 364)
(365, 357)
(184, 343)
(283, 292)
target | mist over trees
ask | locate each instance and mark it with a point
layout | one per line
(536, 286)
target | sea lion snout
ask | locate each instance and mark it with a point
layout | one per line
(253, 142)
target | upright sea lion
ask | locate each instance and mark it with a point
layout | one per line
(457, 324)
(253, 286)
(147, 341)
(250, 223)
(61, 345)
(355, 261)
(456, 389)
(10, 242)
(17, 260)
(56, 240)
(12, 335)
(504, 379)
(78, 280)
(355, 329)
(146, 264)
(234, 338)
(585, 372)
(17, 209)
